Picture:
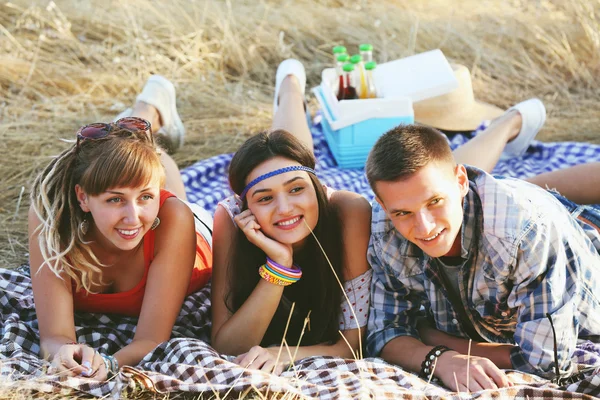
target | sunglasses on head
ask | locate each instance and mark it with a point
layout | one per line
(99, 130)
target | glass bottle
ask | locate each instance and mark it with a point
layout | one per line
(366, 51)
(359, 73)
(347, 89)
(341, 59)
(337, 50)
(370, 82)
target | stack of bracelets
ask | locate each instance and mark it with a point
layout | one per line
(111, 364)
(277, 274)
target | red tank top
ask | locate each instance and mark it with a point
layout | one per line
(130, 302)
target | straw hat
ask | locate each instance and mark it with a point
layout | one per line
(457, 110)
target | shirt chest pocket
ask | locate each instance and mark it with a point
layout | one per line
(490, 301)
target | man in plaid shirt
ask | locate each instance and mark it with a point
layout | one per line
(495, 260)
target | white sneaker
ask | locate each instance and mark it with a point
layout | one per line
(288, 67)
(159, 92)
(533, 114)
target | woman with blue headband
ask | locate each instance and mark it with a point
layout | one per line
(282, 243)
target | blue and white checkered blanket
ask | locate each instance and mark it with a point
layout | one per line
(206, 181)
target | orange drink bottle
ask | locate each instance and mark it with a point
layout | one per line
(359, 73)
(370, 82)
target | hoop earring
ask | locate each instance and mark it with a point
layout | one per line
(155, 224)
(84, 226)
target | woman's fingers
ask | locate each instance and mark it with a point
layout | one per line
(280, 368)
(262, 359)
(268, 366)
(245, 218)
(64, 360)
(87, 360)
(97, 363)
(246, 359)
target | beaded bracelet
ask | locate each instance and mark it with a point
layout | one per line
(427, 364)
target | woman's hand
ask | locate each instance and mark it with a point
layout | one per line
(80, 360)
(278, 252)
(264, 359)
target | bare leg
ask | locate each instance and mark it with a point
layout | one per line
(173, 183)
(484, 150)
(580, 183)
(290, 114)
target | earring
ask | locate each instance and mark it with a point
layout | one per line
(84, 226)
(155, 224)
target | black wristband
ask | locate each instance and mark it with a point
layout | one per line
(429, 361)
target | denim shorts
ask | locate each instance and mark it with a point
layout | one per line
(591, 213)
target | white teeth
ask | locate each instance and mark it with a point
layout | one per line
(431, 238)
(128, 233)
(290, 222)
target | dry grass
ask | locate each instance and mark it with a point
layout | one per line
(72, 62)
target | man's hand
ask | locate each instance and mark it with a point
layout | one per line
(471, 374)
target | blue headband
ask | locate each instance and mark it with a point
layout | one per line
(273, 173)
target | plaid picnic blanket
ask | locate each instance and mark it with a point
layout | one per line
(206, 181)
(187, 363)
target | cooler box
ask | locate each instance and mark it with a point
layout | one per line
(351, 127)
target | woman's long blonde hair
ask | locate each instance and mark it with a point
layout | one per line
(121, 159)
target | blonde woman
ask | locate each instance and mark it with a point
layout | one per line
(109, 233)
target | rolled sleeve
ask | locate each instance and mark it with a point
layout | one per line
(392, 313)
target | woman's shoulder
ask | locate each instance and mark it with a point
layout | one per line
(174, 212)
(350, 204)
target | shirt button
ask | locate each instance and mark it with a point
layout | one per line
(504, 313)
(455, 321)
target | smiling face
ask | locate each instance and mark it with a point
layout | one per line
(426, 208)
(121, 215)
(283, 204)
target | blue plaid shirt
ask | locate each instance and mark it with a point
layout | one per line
(524, 256)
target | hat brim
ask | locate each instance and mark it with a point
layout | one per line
(467, 119)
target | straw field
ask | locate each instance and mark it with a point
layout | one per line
(66, 63)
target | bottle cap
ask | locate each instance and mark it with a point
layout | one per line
(355, 59)
(342, 57)
(370, 65)
(348, 67)
(365, 47)
(339, 49)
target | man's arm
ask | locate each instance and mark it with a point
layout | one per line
(393, 335)
(394, 308)
(551, 267)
